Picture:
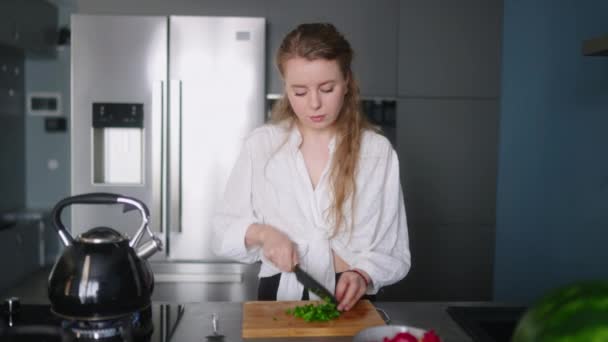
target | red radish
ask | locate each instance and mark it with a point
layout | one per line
(401, 337)
(429, 336)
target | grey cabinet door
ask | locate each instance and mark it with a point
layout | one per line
(19, 256)
(451, 262)
(12, 82)
(8, 22)
(30, 25)
(448, 156)
(447, 152)
(37, 26)
(449, 48)
(370, 26)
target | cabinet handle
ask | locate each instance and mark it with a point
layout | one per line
(16, 34)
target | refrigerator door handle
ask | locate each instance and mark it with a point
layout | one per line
(175, 156)
(159, 151)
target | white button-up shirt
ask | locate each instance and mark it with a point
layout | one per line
(270, 185)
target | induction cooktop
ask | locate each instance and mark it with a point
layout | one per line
(487, 323)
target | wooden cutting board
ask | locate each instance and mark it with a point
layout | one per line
(268, 319)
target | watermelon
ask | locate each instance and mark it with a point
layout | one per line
(573, 313)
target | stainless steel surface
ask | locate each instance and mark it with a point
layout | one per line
(385, 316)
(221, 70)
(115, 59)
(144, 226)
(203, 282)
(148, 249)
(214, 324)
(159, 148)
(171, 325)
(312, 284)
(201, 82)
(199, 278)
(11, 305)
(175, 157)
(228, 269)
(65, 238)
(34, 286)
(107, 239)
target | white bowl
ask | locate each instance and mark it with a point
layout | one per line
(377, 334)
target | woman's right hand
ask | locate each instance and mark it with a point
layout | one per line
(277, 246)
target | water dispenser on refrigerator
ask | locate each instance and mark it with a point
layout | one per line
(118, 143)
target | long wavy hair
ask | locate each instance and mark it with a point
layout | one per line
(323, 41)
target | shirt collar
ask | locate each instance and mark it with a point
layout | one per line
(295, 140)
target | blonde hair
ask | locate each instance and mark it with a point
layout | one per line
(323, 41)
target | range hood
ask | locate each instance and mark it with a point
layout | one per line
(596, 46)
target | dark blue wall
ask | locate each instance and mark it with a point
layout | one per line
(552, 196)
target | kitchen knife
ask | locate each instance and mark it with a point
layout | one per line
(313, 285)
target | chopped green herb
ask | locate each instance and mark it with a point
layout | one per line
(316, 313)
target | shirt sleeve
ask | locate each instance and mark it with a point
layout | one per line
(235, 213)
(386, 258)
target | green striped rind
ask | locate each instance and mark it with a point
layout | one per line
(574, 313)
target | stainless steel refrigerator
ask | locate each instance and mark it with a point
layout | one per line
(160, 108)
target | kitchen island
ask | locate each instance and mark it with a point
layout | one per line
(195, 324)
(170, 321)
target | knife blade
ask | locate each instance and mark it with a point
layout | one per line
(312, 284)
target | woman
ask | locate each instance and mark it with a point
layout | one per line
(317, 186)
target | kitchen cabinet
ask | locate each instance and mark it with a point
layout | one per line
(452, 261)
(28, 24)
(12, 82)
(18, 253)
(12, 154)
(448, 156)
(192, 321)
(370, 26)
(449, 48)
(12, 129)
(8, 22)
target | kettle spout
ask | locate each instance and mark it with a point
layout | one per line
(149, 248)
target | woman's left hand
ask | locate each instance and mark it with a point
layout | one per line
(351, 287)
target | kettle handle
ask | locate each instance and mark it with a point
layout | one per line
(94, 198)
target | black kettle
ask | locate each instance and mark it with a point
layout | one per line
(101, 274)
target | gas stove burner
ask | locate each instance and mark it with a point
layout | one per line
(37, 323)
(133, 327)
(96, 330)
